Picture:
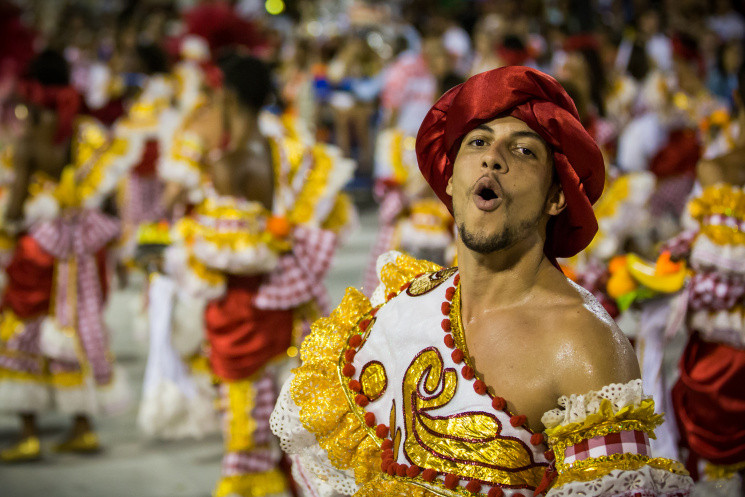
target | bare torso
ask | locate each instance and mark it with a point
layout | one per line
(545, 346)
(244, 168)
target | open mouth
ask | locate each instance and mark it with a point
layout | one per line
(486, 194)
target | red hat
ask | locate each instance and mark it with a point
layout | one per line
(538, 100)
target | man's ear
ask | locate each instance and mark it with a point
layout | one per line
(556, 202)
(449, 187)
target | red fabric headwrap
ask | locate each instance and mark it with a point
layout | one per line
(540, 102)
(64, 100)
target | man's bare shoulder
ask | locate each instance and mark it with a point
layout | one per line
(590, 351)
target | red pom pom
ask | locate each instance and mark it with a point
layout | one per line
(390, 295)
(348, 370)
(451, 481)
(446, 325)
(457, 356)
(413, 471)
(473, 486)
(355, 386)
(518, 420)
(498, 403)
(355, 341)
(536, 438)
(381, 431)
(384, 465)
(495, 492)
(467, 372)
(361, 400)
(429, 475)
(480, 387)
(370, 419)
(392, 468)
(364, 324)
(349, 355)
(450, 293)
(445, 308)
(374, 312)
(401, 470)
(456, 280)
(449, 341)
(387, 444)
(549, 454)
(405, 286)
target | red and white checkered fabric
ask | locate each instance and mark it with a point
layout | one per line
(671, 196)
(143, 200)
(22, 353)
(300, 273)
(680, 245)
(79, 237)
(715, 291)
(256, 461)
(624, 442)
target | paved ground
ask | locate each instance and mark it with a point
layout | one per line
(131, 466)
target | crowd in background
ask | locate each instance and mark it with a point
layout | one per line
(351, 68)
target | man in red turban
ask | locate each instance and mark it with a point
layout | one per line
(499, 377)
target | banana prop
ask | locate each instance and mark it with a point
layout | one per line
(633, 279)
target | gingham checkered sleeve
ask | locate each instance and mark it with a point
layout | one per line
(599, 444)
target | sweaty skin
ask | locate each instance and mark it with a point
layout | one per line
(527, 328)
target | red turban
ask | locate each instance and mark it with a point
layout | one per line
(540, 102)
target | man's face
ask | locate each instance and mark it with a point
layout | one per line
(502, 185)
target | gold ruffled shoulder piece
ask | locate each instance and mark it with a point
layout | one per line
(642, 417)
(605, 421)
(404, 269)
(326, 410)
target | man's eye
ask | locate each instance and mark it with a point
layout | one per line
(526, 151)
(478, 142)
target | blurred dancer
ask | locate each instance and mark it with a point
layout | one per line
(54, 347)
(256, 248)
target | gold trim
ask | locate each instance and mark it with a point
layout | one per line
(593, 469)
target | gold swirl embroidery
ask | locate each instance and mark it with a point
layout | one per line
(394, 275)
(468, 444)
(374, 380)
(428, 282)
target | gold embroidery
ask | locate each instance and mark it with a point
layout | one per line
(467, 444)
(592, 469)
(374, 380)
(428, 282)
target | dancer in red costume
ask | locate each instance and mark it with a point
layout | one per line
(53, 344)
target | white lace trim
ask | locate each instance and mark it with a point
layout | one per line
(644, 482)
(315, 473)
(576, 408)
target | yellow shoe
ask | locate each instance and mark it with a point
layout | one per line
(86, 443)
(26, 450)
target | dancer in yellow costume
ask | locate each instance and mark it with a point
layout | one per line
(255, 247)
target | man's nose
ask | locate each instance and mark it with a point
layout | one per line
(493, 160)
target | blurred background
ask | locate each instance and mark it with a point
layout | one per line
(653, 81)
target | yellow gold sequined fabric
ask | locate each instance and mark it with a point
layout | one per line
(428, 282)
(374, 380)
(325, 407)
(252, 484)
(393, 276)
